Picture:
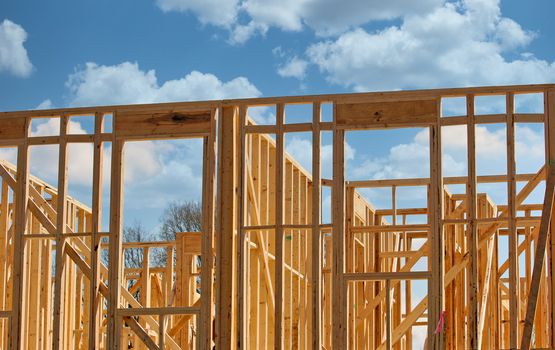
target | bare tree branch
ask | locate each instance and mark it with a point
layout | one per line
(178, 217)
(134, 233)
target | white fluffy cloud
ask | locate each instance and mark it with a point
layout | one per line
(46, 104)
(173, 168)
(126, 83)
(325, 17)
(456, 44)
(402, 161)
(119, 84)
(217, 12)
(406, 159)
(410, 159)
(294, 68)
(13, 55)
(329, 17)
(432, 46)
(44, 159)
(300, 148)
(152, 168)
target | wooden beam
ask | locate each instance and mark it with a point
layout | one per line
(163, 123)
(279, 204)
(7, 177)
(12, 128)
(391, 228)
(472, 228)
(485, 289)
(447, 180)
(511, 216)
(61, 227)
(43, 219)
(207, 272)
(344, 98)
(316, 249)
(162, 332)
(339, 304)
(380, 276)
(386, 114)
(436, 283)
(96, 227)
(226, 226)
(19, 286)
(74, 255)
(141, 333)
(388, 316)
(549, 131)
(115, 260)
(243, 250)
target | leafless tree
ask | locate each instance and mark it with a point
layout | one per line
(134, 233)
(178, 217)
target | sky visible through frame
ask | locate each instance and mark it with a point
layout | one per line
(92, 53)
(68, 53)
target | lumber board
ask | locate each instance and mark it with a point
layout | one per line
(163, 123)
(386, 114)
(316, 248)
(472, 231)
(279, 208)
(226, 225)
(511, 215)
(21, 193)
(541, 243)
(339, 303)
(13, 128)
(143, 335)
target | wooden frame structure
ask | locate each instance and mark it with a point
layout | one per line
(275, 273)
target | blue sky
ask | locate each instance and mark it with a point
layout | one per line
(70, 53)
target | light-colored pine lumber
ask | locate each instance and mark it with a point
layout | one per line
(227, 223)
(511, 215)
(472, 230)
(339, 303)
(115, 251)
(279, 200)
(274, 274)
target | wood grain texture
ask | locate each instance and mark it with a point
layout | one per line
(386, 114)
(162, 123)
(13, 128)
